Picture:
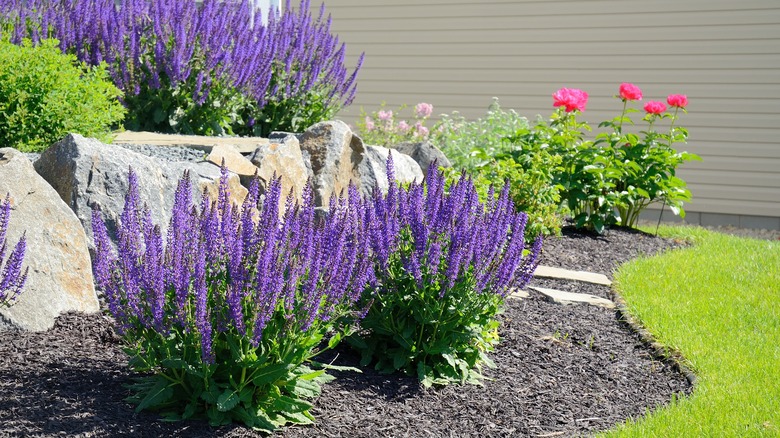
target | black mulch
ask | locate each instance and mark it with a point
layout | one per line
(561, 371)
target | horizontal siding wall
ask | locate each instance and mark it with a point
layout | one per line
(458, 54)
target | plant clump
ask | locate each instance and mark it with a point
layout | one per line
(224, 317)
(210, 68)
(444, 264)
(45, 94)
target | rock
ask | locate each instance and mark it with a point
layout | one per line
(205, 177)
(87, 173)
(561, 297)
(424, 153)
(518, 294)
(283, 157)
(565, 274)
(233, 159)
(373, 169)
(244, 145)
(60, 272)
(335, 155)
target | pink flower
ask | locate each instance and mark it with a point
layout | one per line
(423, 110)
(385, 116)
(369, 124)
(655, 107)
(403, 126)
(630, 92)
(422, 131)
(677, 100)
(571, 98)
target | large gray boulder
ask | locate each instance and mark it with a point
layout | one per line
(424, 153)
(373, 169)
(335, 155)
(60, 272)
(282, 157)
(87, 173)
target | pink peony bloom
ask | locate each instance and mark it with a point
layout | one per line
(385, 116)
(677, 100)
(423, 110)
(630, 92)
(403, 126)
(369, 124)
(655, 107)
(571, 98)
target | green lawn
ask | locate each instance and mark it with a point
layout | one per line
(717, 303)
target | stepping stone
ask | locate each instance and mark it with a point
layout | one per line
(565, 274)
(561, 297)
(518, 294)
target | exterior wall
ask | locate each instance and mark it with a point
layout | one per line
(458, 54)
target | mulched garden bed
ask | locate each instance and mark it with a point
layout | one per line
(561, 371)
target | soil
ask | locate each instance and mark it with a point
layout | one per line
(561, 371)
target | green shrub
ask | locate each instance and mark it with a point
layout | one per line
(487, 150)
(463, 141)
(45, 95)
(531, 186)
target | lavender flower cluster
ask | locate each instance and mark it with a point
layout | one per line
(227, 269)
(12, 278)
(156, 43)
(452, 234)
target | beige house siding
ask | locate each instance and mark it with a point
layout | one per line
(725, 55)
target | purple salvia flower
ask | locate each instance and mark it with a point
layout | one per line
(202, 316)
(12, 279)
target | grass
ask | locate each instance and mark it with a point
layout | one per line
(717, 303)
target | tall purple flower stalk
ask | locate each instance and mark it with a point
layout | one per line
(174, 43)
(12, 278)
(451, 235)
(229, 268)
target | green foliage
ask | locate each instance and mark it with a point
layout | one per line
(485, 148)
(264, 388)
(173, 109)
(609, 181)
(440, 339)
(531, 186)
(44, 95)
(469, 144)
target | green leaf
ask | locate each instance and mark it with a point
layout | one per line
(299, 417)
(328, 366)
(211, 395)
(288, 405)
(158, 395)
(227, 400)
(271, 373)
(190, 409)
(399, 361)
(304, 388)
(312, 375)
(334, 340)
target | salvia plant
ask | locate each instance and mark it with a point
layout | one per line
(206, 68)
(224, 315)
(444, 264)
(12, 277)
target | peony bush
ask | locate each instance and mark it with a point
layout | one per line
(611, 179)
